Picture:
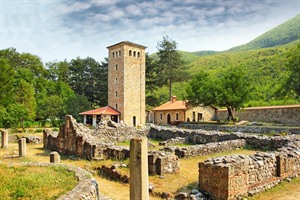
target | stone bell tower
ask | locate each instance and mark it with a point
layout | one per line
(126, 82)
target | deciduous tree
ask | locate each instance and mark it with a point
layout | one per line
(229, 88)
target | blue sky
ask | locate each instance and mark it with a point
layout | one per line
(66, 29)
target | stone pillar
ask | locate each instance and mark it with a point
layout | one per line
(94, 120)
(139, 169)
(4, 137)
(84, 119)
(54, 157)
(22, 147)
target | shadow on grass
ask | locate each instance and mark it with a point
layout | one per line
(188, 188)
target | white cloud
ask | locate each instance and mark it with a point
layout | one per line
(74, 7)
(134, 10)
(58, 29)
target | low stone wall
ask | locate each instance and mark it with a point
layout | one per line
(76, 139)
(231, 176)
(113, 174)
(244, 129)
(205, 149)
(279, 114)
(87, 187)
(173, 141)
(200, 136)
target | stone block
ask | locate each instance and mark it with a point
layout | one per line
(22, 147)
(54, 157)
(4, 139)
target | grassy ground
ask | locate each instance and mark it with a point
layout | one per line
(22, 182)
(171, 183)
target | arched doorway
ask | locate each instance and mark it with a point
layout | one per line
(168, 119)
(134, 121)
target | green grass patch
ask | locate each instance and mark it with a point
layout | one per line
(22, 182)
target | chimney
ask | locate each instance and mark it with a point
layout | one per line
(173, 99)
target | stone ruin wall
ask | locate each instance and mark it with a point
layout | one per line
(75, 139)
(278, 114)
(245, 129)
(232, 176)
(200, 136)
(210, 148)
(223, 178)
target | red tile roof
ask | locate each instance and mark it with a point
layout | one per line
(175, 105)
(107, 110)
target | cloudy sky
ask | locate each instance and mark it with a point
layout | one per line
(66, 29)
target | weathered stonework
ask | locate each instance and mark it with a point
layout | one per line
(243, 129)
(279, 114)
(210, 148)
(199, 136)
(113, 174)
(4, 138)
(231, 176)
(162, 163)
(76, 139)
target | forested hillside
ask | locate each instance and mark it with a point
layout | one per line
(264, 59)
(266, 68)
(280, 35)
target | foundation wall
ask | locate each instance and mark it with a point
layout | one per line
(248, 175)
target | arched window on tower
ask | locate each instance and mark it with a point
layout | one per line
(134, 54)
(116, 93)
(116, 81)
(116, 106)
(130, 53)
(139, 54)
(116, 67)
(119, 52)
(116, 54)
(113, 54)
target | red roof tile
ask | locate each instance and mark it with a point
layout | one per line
(107, 110)
(175, 105)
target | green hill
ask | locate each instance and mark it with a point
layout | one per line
(205, 53)
(284, 33)
(267, 67)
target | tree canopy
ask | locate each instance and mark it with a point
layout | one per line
(293, 81)
(30, 91)
(229, 88)
(170, 66)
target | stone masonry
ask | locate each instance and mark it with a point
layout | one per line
(223, 178)
(76, 139)
(210, 148)
(232, 176)
(126, 81)
(289, 114)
